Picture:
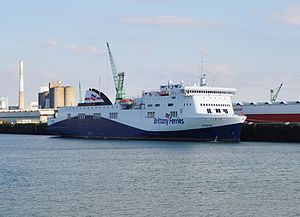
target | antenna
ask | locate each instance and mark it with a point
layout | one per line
(201, 67)
(203, 81)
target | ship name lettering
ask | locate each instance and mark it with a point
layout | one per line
(168, 121)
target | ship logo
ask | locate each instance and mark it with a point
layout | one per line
(93, 97)
(168, 120)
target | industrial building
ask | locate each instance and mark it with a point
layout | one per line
(26, 116)
(50, 97)
(56, 96)
(44, 100)
(69, 96)
(3, 102)
(34, 105)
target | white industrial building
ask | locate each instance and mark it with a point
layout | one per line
(26, 116)
(3, 102)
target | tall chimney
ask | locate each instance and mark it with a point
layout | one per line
(21, 86)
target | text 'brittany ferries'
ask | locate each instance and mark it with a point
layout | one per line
(168, 120)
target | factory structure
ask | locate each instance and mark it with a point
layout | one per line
(50, 98)
(25, 116)
(56, 95)
(3, 103)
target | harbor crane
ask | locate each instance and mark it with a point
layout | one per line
(275, 92)
(118, 77)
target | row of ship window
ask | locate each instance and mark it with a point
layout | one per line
(209, 111)
(212, 104)
(114, 115)
(158, 105)
(173, 114)
(81, 116)
(208, 91)
(190, 104)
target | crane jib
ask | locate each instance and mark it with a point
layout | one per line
(118, 77)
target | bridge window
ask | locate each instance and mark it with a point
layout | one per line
(225, 111)
(209, 110)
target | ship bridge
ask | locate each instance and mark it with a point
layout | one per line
(166, 90)
(189, 90)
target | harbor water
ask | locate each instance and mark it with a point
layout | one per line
(52, 176)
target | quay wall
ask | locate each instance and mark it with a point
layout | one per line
(255, 132)
(271, 132)
(29, 128)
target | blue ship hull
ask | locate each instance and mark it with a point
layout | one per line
(107, 129)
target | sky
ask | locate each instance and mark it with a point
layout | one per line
(252, 46)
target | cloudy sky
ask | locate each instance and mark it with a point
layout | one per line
(250, 45)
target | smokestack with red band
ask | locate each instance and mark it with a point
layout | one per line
(21, 86)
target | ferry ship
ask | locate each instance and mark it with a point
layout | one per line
(175, 112)
(190, 112)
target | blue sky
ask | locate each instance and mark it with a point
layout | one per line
(250, 45)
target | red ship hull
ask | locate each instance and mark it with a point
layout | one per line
(273, 118)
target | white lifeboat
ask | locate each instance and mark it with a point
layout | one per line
(164, 93)
(128, 101)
